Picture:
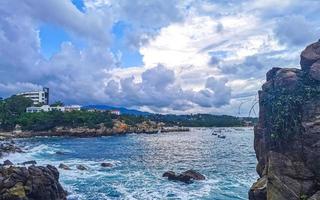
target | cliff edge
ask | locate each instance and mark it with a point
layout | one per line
(287, 137)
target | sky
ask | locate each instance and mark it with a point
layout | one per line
(177, 56)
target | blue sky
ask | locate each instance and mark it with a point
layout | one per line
(184, 57)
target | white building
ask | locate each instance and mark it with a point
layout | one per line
(72, 108)
(115, 112)
(47, 108)
(44, 108)
(38, 97)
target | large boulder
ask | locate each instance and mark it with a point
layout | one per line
(309, 56)
(187, 177)
(9, 147)
(7, 162)
(287, 78)
(35, 182)
(31, 162)
(194, 175)
(315, 71)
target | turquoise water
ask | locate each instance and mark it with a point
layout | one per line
(140, 160)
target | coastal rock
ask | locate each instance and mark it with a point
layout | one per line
(315, 71)
(106, 165)
(9, 148)
(169, 174)
(35, 182)
(186, 177)
(194, 175)
(81, 167)
(7, 162)
(272, 73)
(310, 55)
(287, 78)
(258, 190)
(286, 139)
(31, 162)
(63, 166)
(316, 196)
(60, 153)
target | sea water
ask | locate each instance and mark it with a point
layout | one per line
(139, 160)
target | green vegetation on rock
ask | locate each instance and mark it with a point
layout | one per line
(284, 106)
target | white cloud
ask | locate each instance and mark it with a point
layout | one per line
(209, 56)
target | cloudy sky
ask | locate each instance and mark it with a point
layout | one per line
(166, 56)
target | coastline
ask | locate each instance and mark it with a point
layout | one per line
(86, 132)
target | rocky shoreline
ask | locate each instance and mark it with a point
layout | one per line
(86, 132)
(18, 182)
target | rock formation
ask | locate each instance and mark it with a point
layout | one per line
(186, 177)
(35, 182)
(287, 137)
(106, 165)
(9, 147)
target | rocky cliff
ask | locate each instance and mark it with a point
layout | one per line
(287, 137)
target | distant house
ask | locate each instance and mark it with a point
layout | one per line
(37, 97)
(72, 108)
(115, 112)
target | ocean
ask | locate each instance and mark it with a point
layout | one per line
(139, 160)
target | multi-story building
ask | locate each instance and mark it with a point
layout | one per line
(38, 97)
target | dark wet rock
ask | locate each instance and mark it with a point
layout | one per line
(9, 147)
(183, 178)
(186, 177)
(33, 183)
(31, 162)
(7, 162)
(81, 167)
(168, 174)
(60, 153)
(194, 175)
(106, 165)
(286, 139)
(63, 166)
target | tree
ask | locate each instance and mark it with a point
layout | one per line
(10, 109)
(57, 103)
(17, 104)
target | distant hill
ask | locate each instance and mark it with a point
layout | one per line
(121, 109)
